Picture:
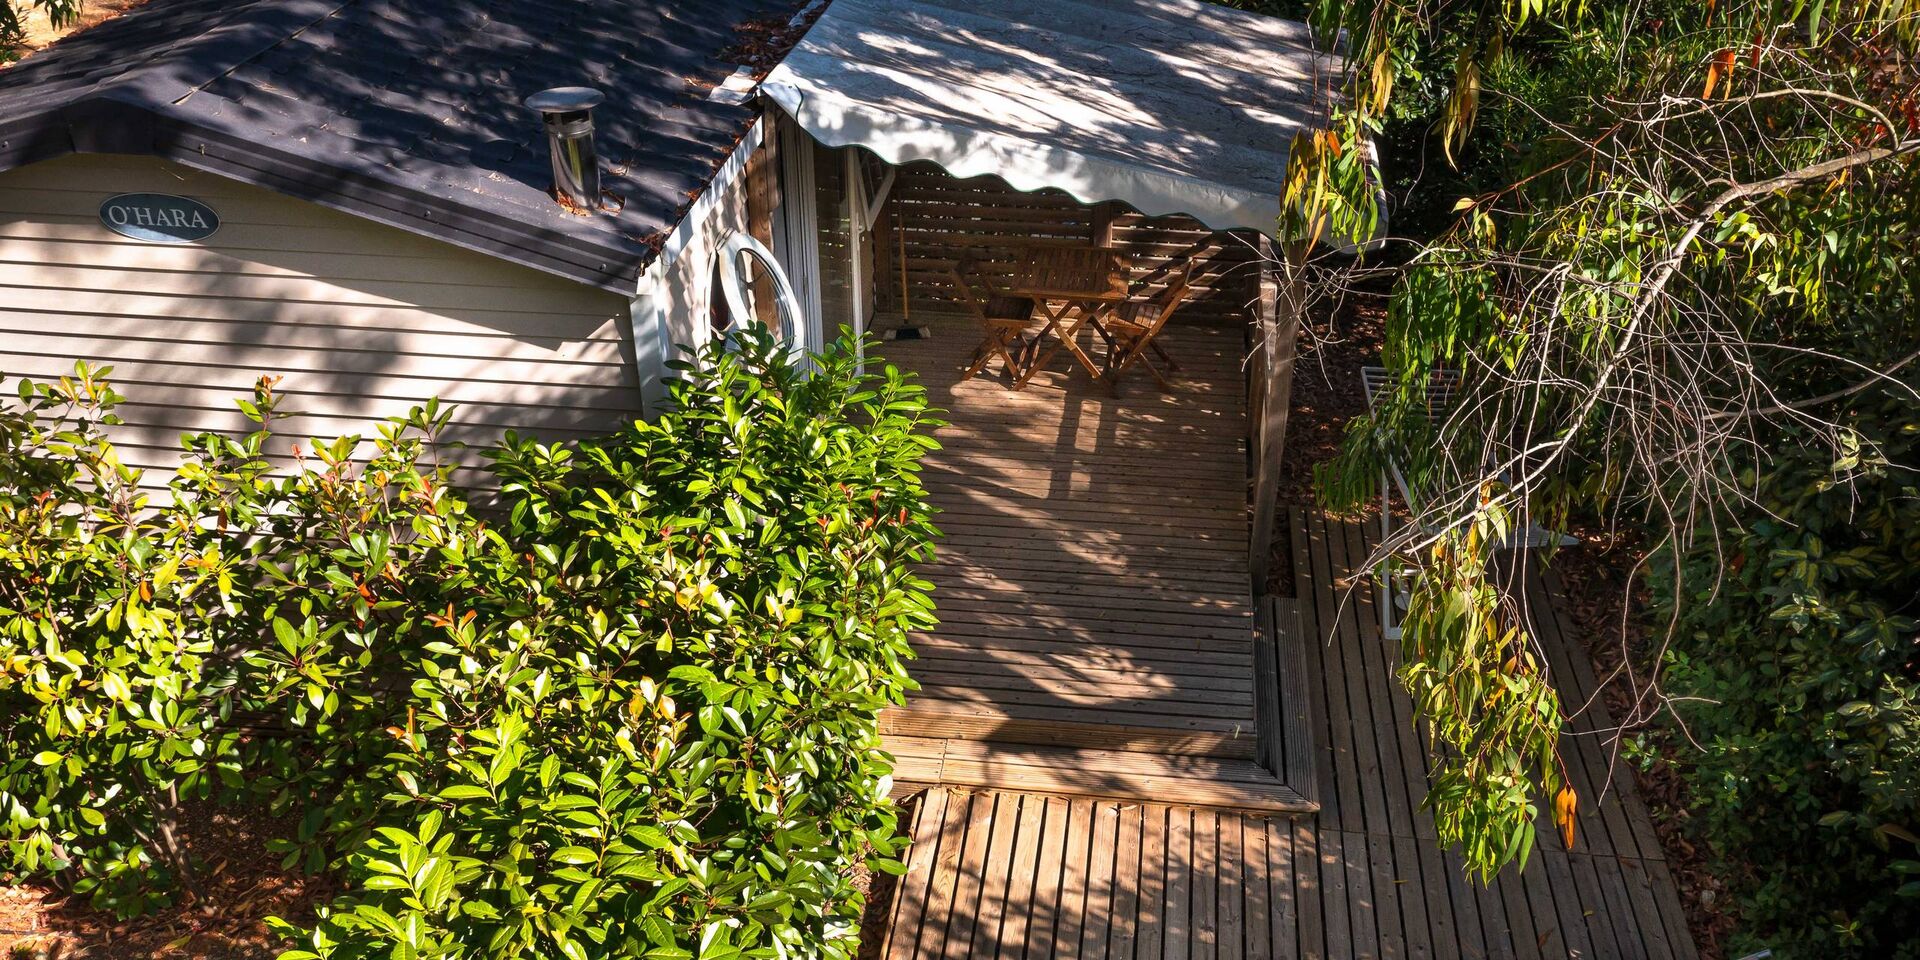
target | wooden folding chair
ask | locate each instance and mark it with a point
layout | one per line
(1136, 325)
(1006, 320)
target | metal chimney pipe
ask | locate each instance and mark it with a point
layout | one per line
(567, 113)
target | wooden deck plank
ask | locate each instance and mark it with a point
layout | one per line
(972, 815)
(1103, 624)
(1390, 727)
(1299, 747)
(1367, 715)
(1278, 926)
(988, 559)
(1002, 854)
(1239, 784)
(1667, 895)
(1206, 885)
(1197, 658)
(1073, 884)
(1409, 743)
(1342, 780)
(1569, 904)
(1124, 929)
(1069, 550)
(1386, 897)
(972, 875)
(1444, 925)
(916, 759)
(1230, 911)
(1339, 903)
(1051, 893)
(1537, 883)
(1062, 669)
(1022, 880)
(1627, 929)
(1007, 695)
(1646, 909)
(1178, 942)
(999, 580)
(1363, 904)
(1477, 910)
(1005, 622)
(1119, 604)
(1417, 935)
(1525, 929)
(1013, 725)
(1150, 930)
(910, 898)
(1101, 874)
(1309, 892)
(1602, 819)
(1593, 907)
(1141, 702)
(1627, 822)
(1368, 662)
(1037, 498)
(1271, 739)
(1171, 519)
(1253, 878)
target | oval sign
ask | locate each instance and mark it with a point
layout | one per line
(159, 217)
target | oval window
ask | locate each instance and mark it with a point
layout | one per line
(753, 289)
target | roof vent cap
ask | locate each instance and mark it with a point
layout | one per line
(567, 114)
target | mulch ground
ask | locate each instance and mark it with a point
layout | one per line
(220, 915)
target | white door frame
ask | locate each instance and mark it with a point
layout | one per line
(797, 229)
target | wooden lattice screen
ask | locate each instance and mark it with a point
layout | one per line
(938, 217)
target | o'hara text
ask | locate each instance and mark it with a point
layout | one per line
(123, 216)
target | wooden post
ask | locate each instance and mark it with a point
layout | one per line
(1278, 327)
(854, 194)
(762, 200)
(1104, 214)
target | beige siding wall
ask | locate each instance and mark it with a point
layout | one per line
(363, 321)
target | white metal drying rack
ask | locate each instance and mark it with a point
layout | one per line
(1443, 388)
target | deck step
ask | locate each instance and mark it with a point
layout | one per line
(1287, 745)
(1103, 727)
(1105, 774)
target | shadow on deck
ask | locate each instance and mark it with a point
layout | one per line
(1096, 620)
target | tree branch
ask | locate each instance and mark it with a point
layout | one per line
(1880, 376)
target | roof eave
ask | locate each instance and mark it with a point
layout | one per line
(111, 121)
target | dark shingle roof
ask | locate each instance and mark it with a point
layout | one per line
(408, 111)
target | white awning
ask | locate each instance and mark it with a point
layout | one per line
(1171, 106)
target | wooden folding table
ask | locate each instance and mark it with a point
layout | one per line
(1075, 287)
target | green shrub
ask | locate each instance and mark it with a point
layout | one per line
(625, 706)
(1798, 639)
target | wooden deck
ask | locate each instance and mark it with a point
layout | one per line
(1096, 620)
(1016, 875)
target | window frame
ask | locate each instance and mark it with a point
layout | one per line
(734, 291)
